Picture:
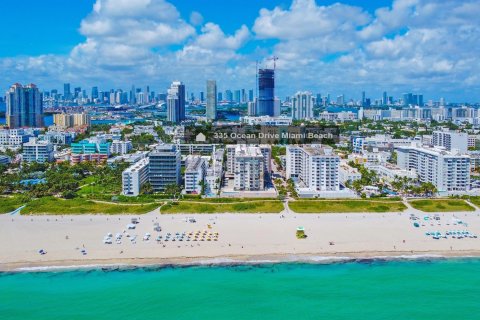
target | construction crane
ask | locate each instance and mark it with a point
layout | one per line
(274, 58)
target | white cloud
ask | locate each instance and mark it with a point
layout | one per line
(304, 19)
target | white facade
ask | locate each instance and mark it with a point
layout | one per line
(448, 171)
(389, 172)
(120, 147)
(134, 177)
(451, 140)
(195, 170)
(267, 121)
(214, 174)
(348, 174)
(13, 138)
(232, 152)
(302, 105)
(313, 166)
(37, 151)
(249, 168)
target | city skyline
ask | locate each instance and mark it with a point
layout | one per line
(341, 48)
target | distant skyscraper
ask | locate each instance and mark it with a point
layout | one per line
(250, 95)
(407, 99)
(94, 93)
(237, 96)
(67, 95)
(243, 96)
(76, 92)
(420, 100)
(211, 100)
(384, 98)
(302, 105)
(132, 98)
(363, 99)
(219, 97)
(341, 100)
(24, 106)
(176, 102)
(266, 92)
(228, 95)
(202, 96)
(318, 101)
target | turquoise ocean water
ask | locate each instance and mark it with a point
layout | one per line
(440, 289)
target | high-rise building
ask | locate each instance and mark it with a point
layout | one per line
(219, 96)
(266, 92)
(248, 164)
(451, 140)
(229, 95)
(384, 98)
(250, 95)
(237, 96)
(211, 111)
(195, 171)
(165, 163)
(94, 93)
(133, 95)
(134, 177)
(315, 166)
(24, 106)
(252, 108)
(448, 171)
(302, 105)
(76, 92)
(176, 102)
(363, 99)
(318, 100)
(202, 96)
(67, 94)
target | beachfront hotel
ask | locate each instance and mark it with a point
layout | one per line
(134, 177)
(448, 171)
(314, 168)
(165, 163)
(195, 171)
(249, 168)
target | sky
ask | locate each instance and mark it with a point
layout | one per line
(346, 47)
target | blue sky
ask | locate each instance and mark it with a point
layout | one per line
(332, 47)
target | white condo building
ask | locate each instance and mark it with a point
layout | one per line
(265, 150)
(134, 177)
(313, 167)
(302, 105)
(37, 151)
(448, 171)
(451, 140)
(195, 171)
(120, 147)
(249, 168)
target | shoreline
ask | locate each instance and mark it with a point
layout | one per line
(234, 260)
(77, 242)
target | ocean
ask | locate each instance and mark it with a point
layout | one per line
(366, 289)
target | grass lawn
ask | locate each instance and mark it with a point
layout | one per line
(447, 205)
(228, 200)
(244, 207)
(475, 200)
(95, 190)
(56, 206)
(9, 204)
(345, 206)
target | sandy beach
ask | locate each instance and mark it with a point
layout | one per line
(242, 238)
